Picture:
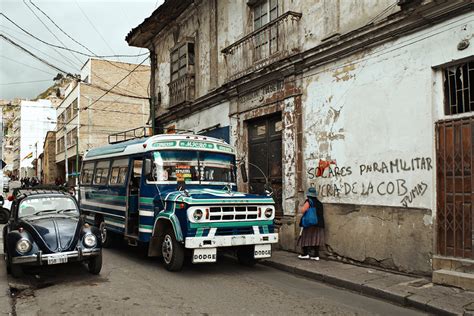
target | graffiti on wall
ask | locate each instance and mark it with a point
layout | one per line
(332, 180)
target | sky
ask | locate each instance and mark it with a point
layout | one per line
(99, 25)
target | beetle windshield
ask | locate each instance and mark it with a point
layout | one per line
(47, 204)
(197, 167)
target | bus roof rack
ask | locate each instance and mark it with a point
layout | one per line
(139, 132)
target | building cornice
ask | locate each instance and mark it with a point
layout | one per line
(336, 47)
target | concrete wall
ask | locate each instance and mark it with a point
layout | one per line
(218, 115)
(369, 145)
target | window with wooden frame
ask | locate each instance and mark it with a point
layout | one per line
(182, 60)
(459, 88)
(266, 42)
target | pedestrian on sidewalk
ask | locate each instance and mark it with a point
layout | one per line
(312, 238)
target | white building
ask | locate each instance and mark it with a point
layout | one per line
(35, 120)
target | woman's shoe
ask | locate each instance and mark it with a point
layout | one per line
(303, 256)
(315, 258)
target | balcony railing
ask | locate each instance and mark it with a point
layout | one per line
(264, 46)
(182, 90)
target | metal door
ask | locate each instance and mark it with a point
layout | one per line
(265, 157)
(455, 181)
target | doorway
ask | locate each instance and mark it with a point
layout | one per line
(265, 157)
(455, 187)
(133, 196)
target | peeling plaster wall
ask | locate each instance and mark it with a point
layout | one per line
(369, 145)
(204, 119)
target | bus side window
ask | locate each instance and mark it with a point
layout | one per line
(101, 172)
(87, 172)
(118, 172)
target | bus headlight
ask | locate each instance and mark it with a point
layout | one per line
(23, 245)
(197, 215)
(90, 240)
(268, 212)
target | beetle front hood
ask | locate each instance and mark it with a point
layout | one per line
(54, 233)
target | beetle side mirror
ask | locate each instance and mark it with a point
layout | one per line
(2, 200)
(243, 173)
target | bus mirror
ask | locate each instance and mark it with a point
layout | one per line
(147, 167)
(243, 172)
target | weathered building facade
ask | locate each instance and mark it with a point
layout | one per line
(111, 97)
(346, 96)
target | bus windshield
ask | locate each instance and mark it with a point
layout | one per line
(198, 167)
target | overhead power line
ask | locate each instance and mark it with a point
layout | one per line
(55, 36)
(108, 91)
(33, 55)
(24, 82)
(29, 66)
(65, 48)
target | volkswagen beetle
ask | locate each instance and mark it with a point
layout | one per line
(45, 228)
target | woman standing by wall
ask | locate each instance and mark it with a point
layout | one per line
(312, 238)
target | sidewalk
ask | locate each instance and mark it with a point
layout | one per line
(405, 290)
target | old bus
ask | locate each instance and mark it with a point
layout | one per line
(177, 194)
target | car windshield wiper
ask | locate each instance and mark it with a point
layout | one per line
(66, 210)
(44, 211)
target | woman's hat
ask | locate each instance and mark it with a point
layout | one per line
(312, 192)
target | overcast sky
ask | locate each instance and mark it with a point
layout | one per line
(99, 25)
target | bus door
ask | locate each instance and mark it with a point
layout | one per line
(133, 196)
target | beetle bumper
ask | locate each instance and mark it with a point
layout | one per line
(40, 258)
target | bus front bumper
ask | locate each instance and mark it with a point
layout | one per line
(229, 241)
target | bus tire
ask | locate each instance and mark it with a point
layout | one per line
(172, 251)
(107, 237)
(245, 255)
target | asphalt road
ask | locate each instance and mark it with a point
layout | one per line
(132, 284)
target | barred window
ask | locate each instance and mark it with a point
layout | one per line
(459, 88)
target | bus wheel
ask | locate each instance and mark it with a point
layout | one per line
(245, 255)
(172, 252)
(107, 238)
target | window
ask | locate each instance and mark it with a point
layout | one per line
(459, 88)
(74, 108)
(266, 41)
(101, 172)
(60, 145)
(119, 170)
(264, 12)
(87, 172)
(182, 60)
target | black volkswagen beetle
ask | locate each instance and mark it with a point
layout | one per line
(45, 228)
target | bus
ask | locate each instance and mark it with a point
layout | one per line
(176, 195)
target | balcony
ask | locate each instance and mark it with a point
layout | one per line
(182, 90)
(272, 42)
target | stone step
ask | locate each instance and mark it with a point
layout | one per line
(454, 278)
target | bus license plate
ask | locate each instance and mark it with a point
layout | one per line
(57, 259)
(263, 251)
(205, 255)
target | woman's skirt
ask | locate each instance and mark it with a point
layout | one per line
(311, 236)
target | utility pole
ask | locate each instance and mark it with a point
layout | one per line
(77, 159)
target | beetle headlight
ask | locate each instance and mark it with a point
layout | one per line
(268, 212)
(90, 240)
(23, 245)
(197, 215)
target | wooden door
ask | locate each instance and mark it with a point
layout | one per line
(455, 181)
(265, 157)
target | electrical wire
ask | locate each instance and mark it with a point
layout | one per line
(29, 66)
(32, 54)
(23, 82)
(87, 107)
(57, 38)
(65, 48)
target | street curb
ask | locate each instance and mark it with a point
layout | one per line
(359, 288)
